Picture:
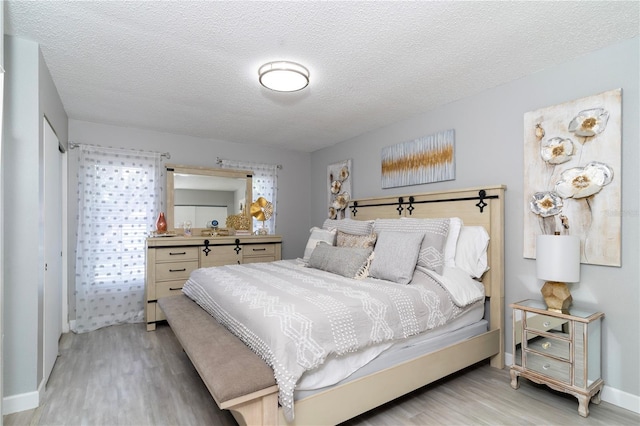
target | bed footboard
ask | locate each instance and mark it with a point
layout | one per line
(237, 378)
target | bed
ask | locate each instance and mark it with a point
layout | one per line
(387, 367)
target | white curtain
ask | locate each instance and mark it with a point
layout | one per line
(265, 184)
(119, 199)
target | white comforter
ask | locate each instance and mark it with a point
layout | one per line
(294, 317)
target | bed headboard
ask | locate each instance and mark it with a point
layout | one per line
(475, 206)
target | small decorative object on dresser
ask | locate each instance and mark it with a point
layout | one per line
(262, 210)
(161, 224)
(560, 350)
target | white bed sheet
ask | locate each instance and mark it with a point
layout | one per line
(348, 367)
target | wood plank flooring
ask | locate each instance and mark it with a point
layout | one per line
(124, 375)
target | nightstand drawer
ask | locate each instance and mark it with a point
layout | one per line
(175, 270)
(552, 368)
(547, 324)
(549, 346)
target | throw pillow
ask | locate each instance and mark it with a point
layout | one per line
(395, 256)
(346, 261)
(317, 235)
(351, 226)
(350, 240)
(434, 232)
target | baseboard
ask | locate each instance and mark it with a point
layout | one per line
(25, 401)
(611, 395)
(22, 402)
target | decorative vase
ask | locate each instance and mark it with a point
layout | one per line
(161, 224)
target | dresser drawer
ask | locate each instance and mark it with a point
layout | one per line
(549, 367)
(176, 254)
(549, 346)
(169, 288)
(259, 250)
(175, 270)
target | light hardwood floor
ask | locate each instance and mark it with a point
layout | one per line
(124, 375)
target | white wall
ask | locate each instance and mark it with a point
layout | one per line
(489, 150)
(29, 95)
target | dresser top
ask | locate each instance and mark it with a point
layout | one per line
(573, 313)
(176, 241)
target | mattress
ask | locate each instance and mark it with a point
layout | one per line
(338, 370)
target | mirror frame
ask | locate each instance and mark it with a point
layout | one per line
(204, 171)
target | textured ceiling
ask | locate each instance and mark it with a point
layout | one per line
(190, 67)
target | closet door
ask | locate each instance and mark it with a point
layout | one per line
(52, 217)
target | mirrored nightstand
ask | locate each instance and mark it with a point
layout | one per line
(560, 350)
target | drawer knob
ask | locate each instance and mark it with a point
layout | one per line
(546, 345)
(178, 270)
(546, 324)
(546, 366)
(178, 254)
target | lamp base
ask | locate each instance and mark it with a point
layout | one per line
(556, 296)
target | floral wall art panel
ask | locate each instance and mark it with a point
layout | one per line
(339, 188)
(572, 176)
(424, 160)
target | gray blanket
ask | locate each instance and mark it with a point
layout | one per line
(293, 316)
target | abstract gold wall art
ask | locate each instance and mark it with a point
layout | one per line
(424, 160)
(572, 184)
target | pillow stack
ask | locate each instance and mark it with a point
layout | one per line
(390, 249)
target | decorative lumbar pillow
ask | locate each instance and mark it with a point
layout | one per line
(471, 251)
(395, 256)
(344, 239)
(350, 226)
(346, 261)
(435, 235)
(317, 235)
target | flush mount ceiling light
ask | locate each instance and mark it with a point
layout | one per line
(283, 76)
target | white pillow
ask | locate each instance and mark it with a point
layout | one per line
(317, 235)
(455, 223)
(471, 250)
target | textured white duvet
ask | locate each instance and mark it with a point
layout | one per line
(296, 317)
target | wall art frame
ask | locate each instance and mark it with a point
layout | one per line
(572, 175)
(427, 159)
(339, 189)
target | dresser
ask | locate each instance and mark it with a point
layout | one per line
(559, 349)
(170, 261)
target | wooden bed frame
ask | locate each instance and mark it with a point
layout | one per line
(476, 206)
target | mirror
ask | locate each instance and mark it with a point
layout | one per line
(200, 195)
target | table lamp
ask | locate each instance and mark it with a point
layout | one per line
(557, 262)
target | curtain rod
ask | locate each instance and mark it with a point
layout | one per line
(73, 145)
(220, 160)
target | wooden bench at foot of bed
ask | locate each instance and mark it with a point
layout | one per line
(237, 378)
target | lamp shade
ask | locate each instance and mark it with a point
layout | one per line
(558, 258)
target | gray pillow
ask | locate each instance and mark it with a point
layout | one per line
(346, 261)
(435, 233)
(316, 235)
(395, 256)
(350, 226)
